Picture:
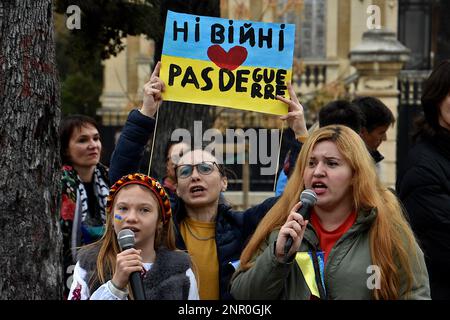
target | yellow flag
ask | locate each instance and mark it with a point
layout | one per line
(305, 263)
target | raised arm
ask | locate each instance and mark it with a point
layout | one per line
(296, 121)
(137, 130)
(153, 93)
(296, 115)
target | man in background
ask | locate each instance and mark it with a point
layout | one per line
(378, 118)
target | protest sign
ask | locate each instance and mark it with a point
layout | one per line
(230, 63)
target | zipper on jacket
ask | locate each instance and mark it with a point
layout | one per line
(321, 285)
(354, 229)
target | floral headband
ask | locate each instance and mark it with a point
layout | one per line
(148, 182)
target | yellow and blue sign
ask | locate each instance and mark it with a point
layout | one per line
(229, 63)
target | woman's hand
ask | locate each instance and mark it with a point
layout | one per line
(153, 93)
(294, 228)
(296, 115)
(127, 262)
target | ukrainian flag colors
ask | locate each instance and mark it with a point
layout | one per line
(305, 263)
(229, 63)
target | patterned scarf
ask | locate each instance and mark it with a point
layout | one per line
(86, 229)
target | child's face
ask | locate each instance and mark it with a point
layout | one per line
(136, 208)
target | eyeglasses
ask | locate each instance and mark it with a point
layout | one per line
(204, 168)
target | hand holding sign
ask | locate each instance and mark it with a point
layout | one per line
(153, 93)
(238, 64)
(296, 115)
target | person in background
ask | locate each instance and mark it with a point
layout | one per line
(355, 245)
(139, 203)
(174, 151)
(378, 118)
(424, 186)
(342, 112)
(84, 186)
(210, 230)
(282, 177)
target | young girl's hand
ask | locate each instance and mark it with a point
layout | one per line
(127, 262)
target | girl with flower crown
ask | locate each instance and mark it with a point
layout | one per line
(139, 203)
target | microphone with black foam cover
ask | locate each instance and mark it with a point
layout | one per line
(308, 198)
(126, 241)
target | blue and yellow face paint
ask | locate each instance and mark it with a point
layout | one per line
(118, 218)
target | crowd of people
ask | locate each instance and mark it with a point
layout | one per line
(361, 240)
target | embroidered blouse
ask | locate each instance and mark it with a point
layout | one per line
(107, 291)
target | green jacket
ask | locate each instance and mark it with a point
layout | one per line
(346, 274)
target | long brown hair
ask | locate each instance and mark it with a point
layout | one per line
(109, 247)
(390, 235)
(435, 90)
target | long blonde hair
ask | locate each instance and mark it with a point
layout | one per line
(109, 247)
(388, 232)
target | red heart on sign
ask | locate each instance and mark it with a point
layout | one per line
(228, 60)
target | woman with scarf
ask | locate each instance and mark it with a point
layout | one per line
(85, 186)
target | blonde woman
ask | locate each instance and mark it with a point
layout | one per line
(356, 244)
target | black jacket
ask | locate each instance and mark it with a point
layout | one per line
(424, 189)
(233, 228)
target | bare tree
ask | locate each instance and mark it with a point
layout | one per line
(30, 243)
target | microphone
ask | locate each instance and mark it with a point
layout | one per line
(126, 241)
(308, 198)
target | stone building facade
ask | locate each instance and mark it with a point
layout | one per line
(343, 48)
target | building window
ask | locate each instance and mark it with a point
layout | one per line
(415, 30)
(310, 21)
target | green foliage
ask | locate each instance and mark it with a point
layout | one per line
(81, 81)
(104, 23)
(79, 94)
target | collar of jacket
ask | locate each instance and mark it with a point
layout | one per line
(179, 213)
(363, 222)
(441, 141)
(376, 156)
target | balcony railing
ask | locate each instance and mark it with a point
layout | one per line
(410, 83)
(310, 75)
